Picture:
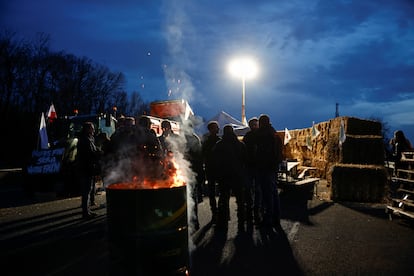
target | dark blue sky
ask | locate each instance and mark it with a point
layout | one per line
(311, 54)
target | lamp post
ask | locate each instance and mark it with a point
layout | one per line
(243, 68)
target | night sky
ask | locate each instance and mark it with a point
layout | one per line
(310, 54)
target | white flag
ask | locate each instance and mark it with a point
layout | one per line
(44, 141)
(188, 111)
(315, 131)
(287, 136)
(51, 114)
(342, 135)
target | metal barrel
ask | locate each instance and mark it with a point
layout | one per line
(147, 230)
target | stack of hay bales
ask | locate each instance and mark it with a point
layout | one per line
(354, 170)
(360, 174)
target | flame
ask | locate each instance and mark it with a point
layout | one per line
(172, 177)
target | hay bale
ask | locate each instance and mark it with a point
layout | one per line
(355, 126)
(367, 149)
(358, 183)
(363, 145)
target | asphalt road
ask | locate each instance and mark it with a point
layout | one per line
(320, 238)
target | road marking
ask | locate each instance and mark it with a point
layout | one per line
(11, 170)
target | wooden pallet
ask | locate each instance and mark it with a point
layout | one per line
(401, 179)
(391, 210)
(407, 156)
(402, 203)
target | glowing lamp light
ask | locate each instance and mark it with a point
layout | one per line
(244, 68)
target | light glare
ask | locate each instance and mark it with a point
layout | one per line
(243, 68)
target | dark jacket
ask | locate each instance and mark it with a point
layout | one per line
(88, 156)
(269, 149)
(169, 141)
(193, 154)
(230, 159)
(249, 140)
(208, 143)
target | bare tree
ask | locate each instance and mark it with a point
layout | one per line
(103, 84)
(136, 105)
(12, 63)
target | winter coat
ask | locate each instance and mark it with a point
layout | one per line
(230, 159)
(208, 143)
(268, 149)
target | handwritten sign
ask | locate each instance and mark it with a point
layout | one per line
(46, 161)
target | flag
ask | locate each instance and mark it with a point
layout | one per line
(44, 141)
(342, 135)
(51, 114)
(287, 136)
(188, 111)
(315, 131)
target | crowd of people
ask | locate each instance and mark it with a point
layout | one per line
(229, 165)
(220, 166)
(133, 153)
(245, 168)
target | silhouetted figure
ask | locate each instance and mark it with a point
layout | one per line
(88, 157)
(209, 140)
(168, 139)
(102, 142)
(193, 154)
(253, 194)
(148, 157)
(268, 158)
(399, 143)
(120, 150)
(230, 161)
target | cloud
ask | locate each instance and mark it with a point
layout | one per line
(312, 54)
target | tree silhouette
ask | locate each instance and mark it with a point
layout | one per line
(32, 77)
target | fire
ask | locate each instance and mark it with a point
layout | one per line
(171, 177)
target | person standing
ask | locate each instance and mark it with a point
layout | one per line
(253, 195)
(268, 157)
(149, 157)
(193, 155)
(399, 144)
(121, 149)
(168, 138)
(209, 140)
(102, 142)
(88, 157)
(230, 159)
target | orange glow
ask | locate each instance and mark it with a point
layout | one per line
(171, 178)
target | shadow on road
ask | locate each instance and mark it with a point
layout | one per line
(260, 252)
(52, 243)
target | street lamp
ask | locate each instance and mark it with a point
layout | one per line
(244, 68)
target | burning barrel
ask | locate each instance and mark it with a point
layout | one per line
(147, 230)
